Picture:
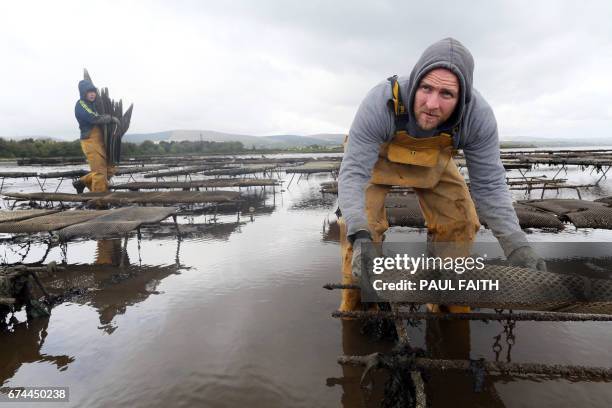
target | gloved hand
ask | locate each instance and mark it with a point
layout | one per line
(362, 244)
(526, 257)
(102, 119)
(116, 121)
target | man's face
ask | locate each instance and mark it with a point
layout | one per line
(436, 98)
(91, 96)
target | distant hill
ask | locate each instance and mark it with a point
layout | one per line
(331, 137)
(293, 140)
(141, 137)
(277, 141)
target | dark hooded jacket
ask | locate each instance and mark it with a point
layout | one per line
(474, 130)
(85, 112)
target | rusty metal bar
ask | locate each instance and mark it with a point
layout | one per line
(557, 370)
(332, 286)
(517, 316)
(23, 269)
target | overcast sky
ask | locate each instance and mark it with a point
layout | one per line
(300, 67)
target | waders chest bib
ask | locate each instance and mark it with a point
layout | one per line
(407, 161)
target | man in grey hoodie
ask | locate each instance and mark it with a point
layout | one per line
(442, 112)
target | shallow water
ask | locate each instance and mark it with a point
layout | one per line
(234, 315)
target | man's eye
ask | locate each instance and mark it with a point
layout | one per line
(426, 87)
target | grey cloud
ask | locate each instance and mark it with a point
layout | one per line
(264, 67)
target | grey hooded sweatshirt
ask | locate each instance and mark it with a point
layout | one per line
(477, 136)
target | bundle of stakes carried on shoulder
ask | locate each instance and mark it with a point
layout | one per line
(112, 132)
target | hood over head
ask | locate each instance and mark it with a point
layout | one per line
(454, 56)
(85, 86)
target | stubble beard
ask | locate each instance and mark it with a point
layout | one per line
(424, 124)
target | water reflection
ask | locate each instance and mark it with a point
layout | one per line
(111, 252)
(355, 343)
(220, 231)
(443, 340)
(451, 340)
(331, 231)
(107, 286)
(23, 344)
(314, 202)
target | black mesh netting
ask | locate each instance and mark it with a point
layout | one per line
(117, 222)
(50, 222)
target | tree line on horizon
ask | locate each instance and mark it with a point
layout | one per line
(27, 148)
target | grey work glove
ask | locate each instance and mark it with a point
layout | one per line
(103, 119)
(363, 250)
(116, 121)
(526, 257)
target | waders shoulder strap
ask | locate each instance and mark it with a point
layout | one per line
(400, 113)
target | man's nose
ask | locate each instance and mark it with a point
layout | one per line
(432, 102)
